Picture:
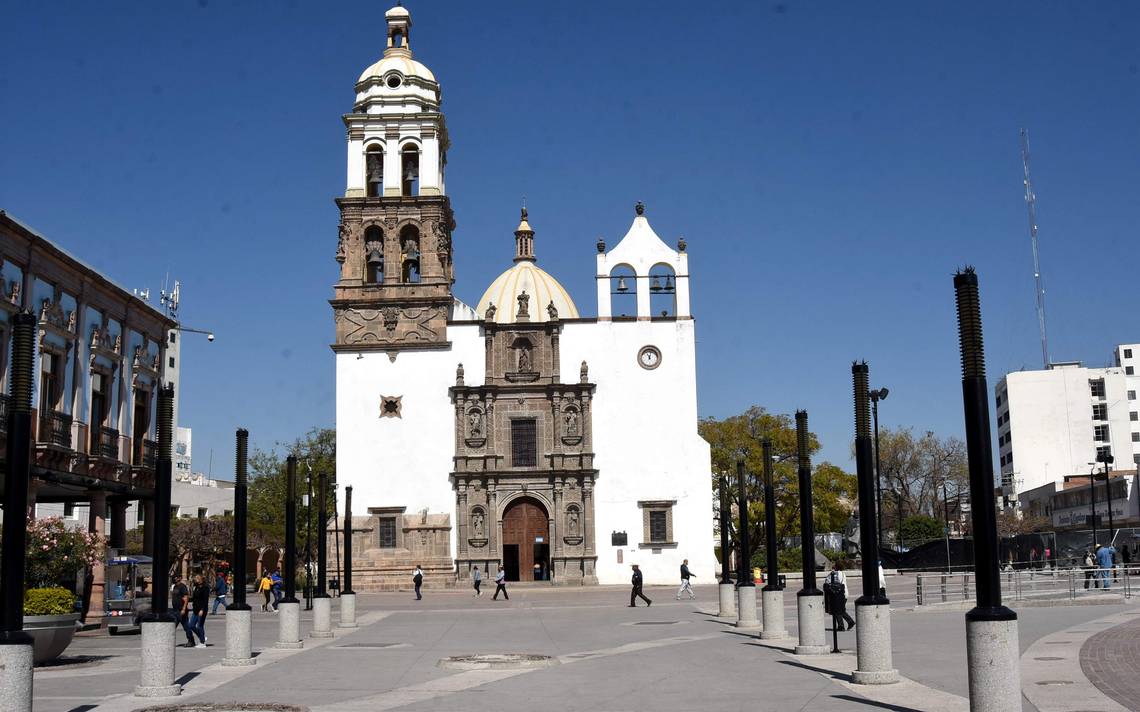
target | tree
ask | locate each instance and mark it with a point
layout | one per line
(316, 453)
(921, 528)
(833, 490)
(1009, 524)
(208, 539)
(919, 474)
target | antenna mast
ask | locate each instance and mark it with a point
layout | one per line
(1031, 203)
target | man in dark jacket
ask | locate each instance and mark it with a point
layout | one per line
(636, 592)
(221, 590)
(685, 585)
(180, 606)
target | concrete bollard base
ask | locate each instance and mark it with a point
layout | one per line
(812, 632)
(16, 661)
(322, 618)
(746, 608)
(156, 664)
(239, 638)
(289, 626)
(873, 646)
(773, 614)
(347, 611)
(727, 601)
(993, 663)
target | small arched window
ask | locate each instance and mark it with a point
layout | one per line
(374, 171)
(662, 291)
(410, 254)
(410, 170)
(373, 255)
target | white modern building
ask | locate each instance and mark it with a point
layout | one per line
(520, 433)
(1059, 421)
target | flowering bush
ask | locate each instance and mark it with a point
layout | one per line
(56, 553)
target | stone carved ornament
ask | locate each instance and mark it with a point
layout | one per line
(362, 326)
(475, 424)
(572, 521)
(570, 420)
(477, 523)
(341, 243)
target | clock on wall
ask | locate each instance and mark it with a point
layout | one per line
(649, 357)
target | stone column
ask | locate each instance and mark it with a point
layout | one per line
(461, 518)
(96, 523)
(148, 525)
(495, 525)
(118, 524)
(555, 517)
(588, 515)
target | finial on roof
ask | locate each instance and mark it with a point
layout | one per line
(639, 208)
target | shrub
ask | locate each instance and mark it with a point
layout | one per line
(56, 553)
(53, 601)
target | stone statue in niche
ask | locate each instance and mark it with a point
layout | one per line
(584, 373)
(423, 518)
(524, 358)
(477, 523)
(572, 522)
(571, 421)
(475, 424)
(341, 241)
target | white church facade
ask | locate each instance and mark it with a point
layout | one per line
(518, 433)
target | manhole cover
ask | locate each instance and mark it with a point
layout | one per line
(497, 661)
(224, 707)
(371, 646)
(1055, 682)
(1048, 657)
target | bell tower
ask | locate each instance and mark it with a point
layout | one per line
(394, 246)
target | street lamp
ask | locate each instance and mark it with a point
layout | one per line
(876, 396)
(1107, 458)
(209, 334)
(308, 535)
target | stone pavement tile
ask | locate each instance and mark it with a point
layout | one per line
(1110, 660)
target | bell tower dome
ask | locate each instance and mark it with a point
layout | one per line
(394, 244)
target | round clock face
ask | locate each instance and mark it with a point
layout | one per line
(649, 357)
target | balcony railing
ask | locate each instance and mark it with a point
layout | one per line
(105, 443)
(55, 428)
(145, 453)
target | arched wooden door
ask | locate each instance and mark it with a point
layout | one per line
(526, 540)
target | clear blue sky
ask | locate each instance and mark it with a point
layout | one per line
(829, 164)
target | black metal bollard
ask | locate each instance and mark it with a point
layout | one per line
(347, 541)
(160, 548)
(241, 523)
(322, 535)
(17, 480)
(807, 519)
(290, 530)
(725, 516)
(865, 471)
(773, 583)
(744, 576)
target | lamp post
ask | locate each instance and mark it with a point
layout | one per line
(772, 594)
(1108, 459)
(872, 609)
(1092, 502)
(992, 653)
(745, 585)
(16, 654)
(726, 591)
(876, 396)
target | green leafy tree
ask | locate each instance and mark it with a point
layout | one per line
(316, 453)
(740, 436)
(921, 528)
(919, 474)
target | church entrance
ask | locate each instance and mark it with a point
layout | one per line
(526, 541)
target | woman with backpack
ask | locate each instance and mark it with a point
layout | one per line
(418, 580)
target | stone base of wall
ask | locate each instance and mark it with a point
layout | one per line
(395, 574)
(422, 539)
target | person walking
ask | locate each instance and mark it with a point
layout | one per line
(264, 587)
(221, 589)
(180, 604)
(685, 585)
(477, 579)
(276, 583)
(838, 602)
(418, 580)
(199, 603)
(636, 592)
(500, 585)
(1105, 560)
(882, 581)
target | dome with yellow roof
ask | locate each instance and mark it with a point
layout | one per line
(526, 278)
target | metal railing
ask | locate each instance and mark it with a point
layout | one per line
(105, 443)
(55, 428)
(1027, 584)
(144, 453)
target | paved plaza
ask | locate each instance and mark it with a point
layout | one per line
(675, 655)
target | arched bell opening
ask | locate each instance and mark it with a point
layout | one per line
(373, 255)
(662, 291)
(374, 170)
(623, 291)
(410, 170)
(410, 255)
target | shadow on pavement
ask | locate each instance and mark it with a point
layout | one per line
(823, 671)
(187, 678)
(872, 703)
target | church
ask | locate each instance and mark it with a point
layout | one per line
(519, 433)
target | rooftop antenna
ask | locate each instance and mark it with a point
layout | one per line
(1031, 203)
